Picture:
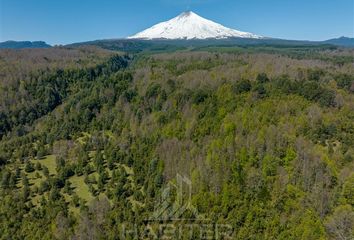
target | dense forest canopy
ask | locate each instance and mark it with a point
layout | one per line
(90, 138)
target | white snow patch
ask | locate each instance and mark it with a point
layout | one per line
(189, 25)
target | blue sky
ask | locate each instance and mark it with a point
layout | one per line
(67, 21)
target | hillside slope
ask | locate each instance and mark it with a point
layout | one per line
(265, 139)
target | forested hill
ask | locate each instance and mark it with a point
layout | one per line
(23, 44)
(90, 138)
(34, 82)
(164, 45)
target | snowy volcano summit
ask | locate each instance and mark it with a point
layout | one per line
(189, 25)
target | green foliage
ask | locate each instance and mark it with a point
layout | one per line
(345, 81)
(340, 224)
(243, 86)
(260, 136)
(262, 78)
(29, 167)
(314, 92)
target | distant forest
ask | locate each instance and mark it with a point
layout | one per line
(90, 137)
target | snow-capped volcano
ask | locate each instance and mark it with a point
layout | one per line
(189, 25)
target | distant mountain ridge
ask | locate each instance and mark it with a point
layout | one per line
(24, 44)
(139, 45)
(342, 41)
